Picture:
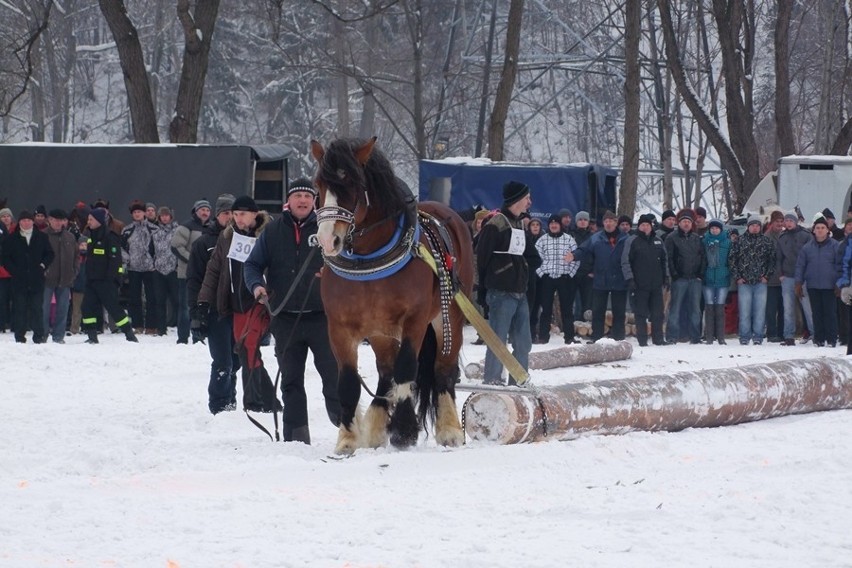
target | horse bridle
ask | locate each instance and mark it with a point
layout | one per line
(336, 213)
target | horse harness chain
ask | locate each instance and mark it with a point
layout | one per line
(440, 245)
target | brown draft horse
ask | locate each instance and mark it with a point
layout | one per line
(362, 209)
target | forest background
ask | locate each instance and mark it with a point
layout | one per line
(692, 100)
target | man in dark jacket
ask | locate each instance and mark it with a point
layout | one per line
(503, 268)
(206, 321)
(818, 268)
(581, 234)
(687, 263)
(60, 274)
(604, 251)
(752, 261)
(104, 271)
(26, 255)
(299, 324)
(645, 269)
(790, 243)
(182, 240)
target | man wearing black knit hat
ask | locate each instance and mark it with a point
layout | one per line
(300, 323)
(503, 273)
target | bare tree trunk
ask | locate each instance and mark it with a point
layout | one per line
(139, 98)
(486, 78)
(630, 167)
(843, 140)
(711, 128)
(497, 123)
(783, 119)
(415, 26)
(342, 81)
(445, 78)
(198, 35)
(662, 113)
(367, 128)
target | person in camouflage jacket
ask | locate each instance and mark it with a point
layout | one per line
(752, 262)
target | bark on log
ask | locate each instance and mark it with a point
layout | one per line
(568, 356)
(671, 402)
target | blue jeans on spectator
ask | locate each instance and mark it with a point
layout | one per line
(788, 295)
(63, 299)
(686, 295)
(715, 295)
(222, 390)
(509, 316)
(182, 312)
(752, 307)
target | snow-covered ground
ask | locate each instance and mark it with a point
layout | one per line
(108, 457)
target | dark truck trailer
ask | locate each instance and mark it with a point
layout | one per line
(175, 175)
(463, 183)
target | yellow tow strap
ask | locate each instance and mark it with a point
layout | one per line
(493, 342)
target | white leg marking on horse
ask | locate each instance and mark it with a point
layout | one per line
(448, 431)
(403, 391)
(348, 440)
(376, 422)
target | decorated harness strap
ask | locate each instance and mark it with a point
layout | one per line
(441, 250)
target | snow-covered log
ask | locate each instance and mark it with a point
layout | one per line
(670, 402)
(568, 356)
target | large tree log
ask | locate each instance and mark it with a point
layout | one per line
(672, 402)
(568, 356)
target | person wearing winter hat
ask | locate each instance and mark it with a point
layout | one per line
(225, 300)
(565, 218)
(752, 262)
(205, 323)
(603, 252)
(558, 268)
(645, 271)
(668, 221)
(687, 265)
(26, 254)
(700, 221)
(790, 244)
(60, 275)
(625, 223)
(774, 296)
(182, 240)
(301, 324)
(717, 281)
(818, 268)
(583, 298)
(104, 273)
(7, 227)
(504, 271)
(137, 240)
(166, 283)
(40, 218)
(115, 225)
(151, 212)
(834, 231)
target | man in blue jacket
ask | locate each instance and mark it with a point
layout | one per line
(603, 251)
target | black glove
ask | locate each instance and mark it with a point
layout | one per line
(199, 321)
(631, 285)
(480, 296)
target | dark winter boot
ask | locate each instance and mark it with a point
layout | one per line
(720, 323)
(93, 336)
(709, 323)
(300, 434)
(129, 334)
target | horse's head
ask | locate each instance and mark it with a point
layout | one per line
(342, 184)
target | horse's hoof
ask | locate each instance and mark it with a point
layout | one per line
(375, 434)
(347, 442)
(404, 427)
(451, 438)
(403, 440)
(344, 449)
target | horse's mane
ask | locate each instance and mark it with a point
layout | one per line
(376, 176)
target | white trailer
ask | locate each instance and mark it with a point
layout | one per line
(810, 182)
(814, 183)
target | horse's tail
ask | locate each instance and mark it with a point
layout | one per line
(426, 377)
